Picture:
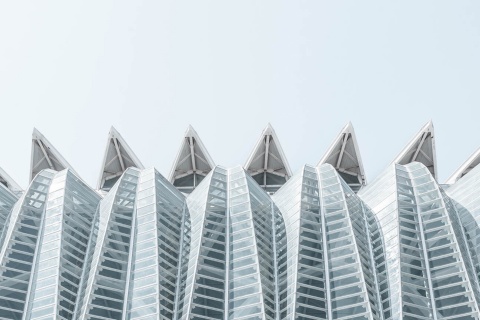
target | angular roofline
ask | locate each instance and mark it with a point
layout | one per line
(190, 132)
(348, 128)
(10, 181)
(428, 127)
(461, 170)
(269, 131)
(113, 133)
(37, 135)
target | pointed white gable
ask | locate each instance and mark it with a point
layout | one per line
(465, 168)
(267, 163)
(421, 149)
(118, 157)
(344, 156)
(45, 156)
(192, 163)
(8, 182)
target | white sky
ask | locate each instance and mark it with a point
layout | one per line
(150, 68)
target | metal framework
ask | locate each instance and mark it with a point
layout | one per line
(45, 156)
(192, 164)
(331, 270)
(242, 243)
(421, 149)
(267, 163)
(430, 268)
(344, 156)
(117, 158)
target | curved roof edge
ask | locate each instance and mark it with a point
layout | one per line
(465, 168)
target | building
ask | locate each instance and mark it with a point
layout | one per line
(249, 242)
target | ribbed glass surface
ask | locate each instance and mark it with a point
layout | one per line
(402, 248)
(19, 247)
(465, 195)
(427, 259)
(232, 265)
(154, 264)
(7, 201)
(67, 225)
(107, 278)
(331, 264)
(206, 271)
(136, 263)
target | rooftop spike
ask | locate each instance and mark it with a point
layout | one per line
(267, 163)
(192, 163)
(465, 168)
(45, 156)
(344, 156)
(118, 157)
(8, 182)
(421, 149)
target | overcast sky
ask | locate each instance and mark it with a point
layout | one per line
(150, 68)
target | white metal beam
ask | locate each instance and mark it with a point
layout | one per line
(118, 153)
(45, 154)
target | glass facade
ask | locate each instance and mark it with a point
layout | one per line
(248, 242)
(430, 269)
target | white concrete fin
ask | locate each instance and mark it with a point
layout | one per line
(118, 157)
(45, 156)
(192, 164)
(421, 149)
(267, 163)
(344, 156)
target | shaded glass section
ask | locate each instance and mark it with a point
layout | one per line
(304, 295)
(206, 273)
(17, 255)
(232, 271)
(465, 196)
(427, 260)
(67, 225)
(136, 262)
(331, 264)
(107, 277)
(154, 266)
(7, 201)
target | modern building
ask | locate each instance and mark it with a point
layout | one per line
(251, 242)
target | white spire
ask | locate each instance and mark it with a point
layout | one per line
(344, 156)
(45, 156)
(192, 164)
(118, 157)
(421, 149)
(267, 163)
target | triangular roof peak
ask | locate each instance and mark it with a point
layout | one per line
(117, 158)
(344, 156)
(191, 132)
(267, 163)
(268, 129)
(465, 168)
(9, 183)
(421, 149)
(192, 164)
(45, 156)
